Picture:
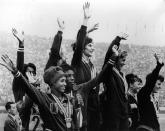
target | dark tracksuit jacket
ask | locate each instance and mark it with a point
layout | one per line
(146, 108)
(134, 114)
(54, 55)
(85, 88)
(59, 122)
(83, 74)
(56, 122)
(17, 85)
(115, 107)
(19, 92)
(52, 121)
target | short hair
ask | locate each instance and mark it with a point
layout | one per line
(87, 41)
(131, 78)
(29, 65)
(66, 67)
(161, 78)
(53, 72)
(8, 105)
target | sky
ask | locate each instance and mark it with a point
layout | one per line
(142, 20)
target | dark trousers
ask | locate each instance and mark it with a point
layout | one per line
(84, 128)
(115, 124)
(93, 121)
(133, 128)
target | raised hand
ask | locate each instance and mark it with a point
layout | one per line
(158, 58)
(8, 63)
(123, 36)
(61, 24)
(86, 10)
(95, 27)
(19, 36)
(32, 79)
(115, 50)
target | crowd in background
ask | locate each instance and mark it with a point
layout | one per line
(74, 99)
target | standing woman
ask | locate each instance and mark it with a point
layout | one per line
(25, 105)
(115, 106)
(85, 71)
(56, 108)
(55, 57)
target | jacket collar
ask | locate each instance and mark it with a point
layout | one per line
(122, 76)
(13, 119)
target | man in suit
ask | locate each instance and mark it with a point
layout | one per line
(11, 123)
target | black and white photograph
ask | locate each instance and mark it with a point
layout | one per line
(82, 65)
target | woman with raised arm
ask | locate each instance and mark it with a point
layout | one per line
(55, 57)
(17, 91)
(24, 103)
(85, 70)
(56, 108)
(115, 103)
(146, 99)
